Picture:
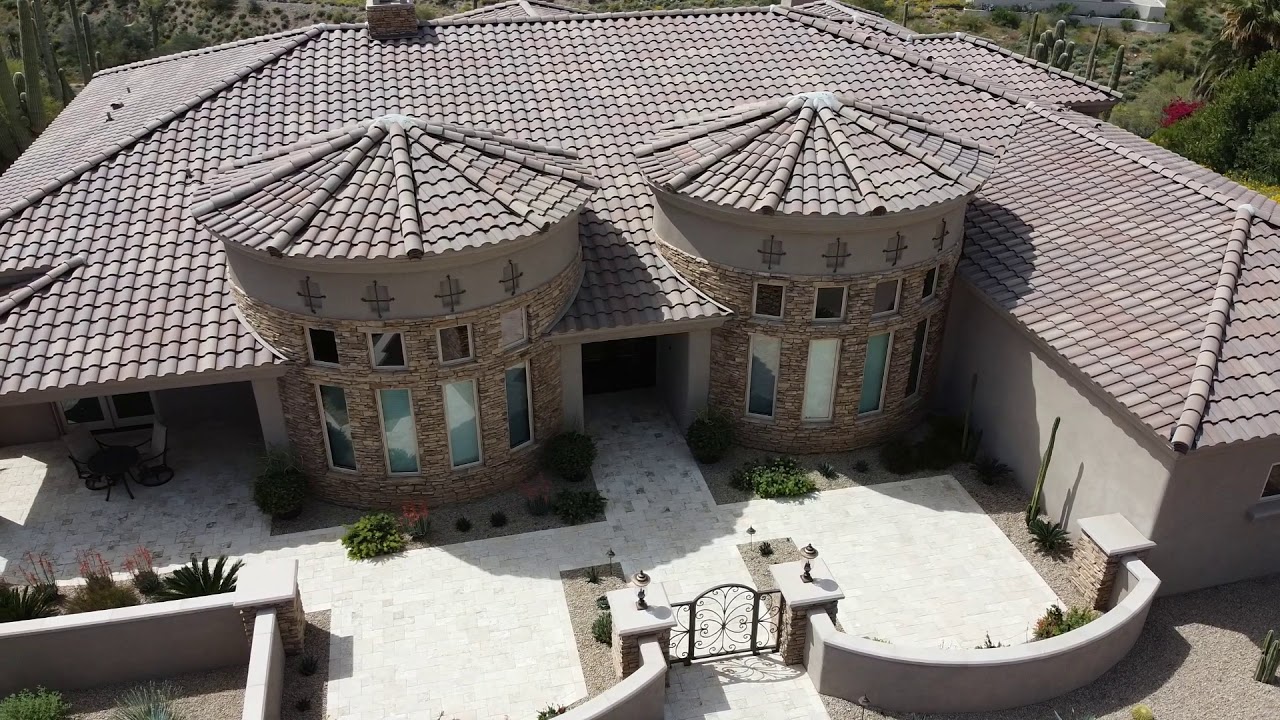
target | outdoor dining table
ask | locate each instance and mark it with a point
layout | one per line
(115, 463)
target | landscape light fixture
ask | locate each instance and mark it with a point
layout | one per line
(751, 533)
(808, 552)
(641, 580)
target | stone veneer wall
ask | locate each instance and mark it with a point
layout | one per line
(371, 485)
(787, 432)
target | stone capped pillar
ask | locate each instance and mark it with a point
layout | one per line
(1104, 540)
(800, 598)
(273, 585)
(631, 625)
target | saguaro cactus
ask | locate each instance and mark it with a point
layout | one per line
(1270, 659)
(1117, 68)
(1031, 36)
(46, 52)
(82, 52)
(1093, 55)
(31, 67)
(12, 100)
(95, 58)
(1033, 510)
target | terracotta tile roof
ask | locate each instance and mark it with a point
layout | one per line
(815, 154)
(515, 9)
(394, 187)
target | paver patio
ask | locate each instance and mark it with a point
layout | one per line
(481, 630)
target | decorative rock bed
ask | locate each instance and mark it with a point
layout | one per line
(581, 597)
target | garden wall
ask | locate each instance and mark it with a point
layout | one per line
(264, 683)
(639, 696)
(924, 680)
(1146, 9)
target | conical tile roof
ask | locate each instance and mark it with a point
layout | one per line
(394, 187)
(815, 154)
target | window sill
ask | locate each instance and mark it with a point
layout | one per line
(758, 419)
(1265, 509)
(886, 318)
(770, 319)
(462, 469)
(517, 345)
(395, 369)
(457, 363)
(827, 321)
(344, 471)
(524, 447)
(330, 366)
(816, 424)
(870, 414)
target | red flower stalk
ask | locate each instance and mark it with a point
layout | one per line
(1178, 109)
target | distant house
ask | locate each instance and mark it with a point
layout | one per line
(408, 251)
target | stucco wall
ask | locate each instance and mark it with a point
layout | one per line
(20, 424)
(1103, 462)
(203, 404)
(264, 681)
(639, 696)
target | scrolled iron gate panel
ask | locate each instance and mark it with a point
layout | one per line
(725, 620)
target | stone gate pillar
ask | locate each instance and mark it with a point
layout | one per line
(1104, 540)
(632, 625)
(799, 598)
(264, 585)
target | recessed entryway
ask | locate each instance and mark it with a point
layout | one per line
(615, 365)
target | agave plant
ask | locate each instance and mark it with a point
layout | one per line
(147, 702)
(27, 603)
(196, 579)
(1048, 536)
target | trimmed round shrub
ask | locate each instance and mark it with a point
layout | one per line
(578, 506)
(773, 477)
(373, 535)
(710, 436)
(569, 455)
(280, 487)
(898, 456)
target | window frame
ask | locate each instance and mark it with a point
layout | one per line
(311, 349)
(924, 348)
(844, 304)
(471, 344)
(933, 288)
(835, 378)
(884, 375)
(782, 304)
(897, 300)
(528, 397)
(382, 424)
(524, 328)
(373, 359)
(324, 431)
(773, 402)
(1263, 497)
(448, 437)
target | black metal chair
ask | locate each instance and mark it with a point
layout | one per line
(153, 468)
(92, 480)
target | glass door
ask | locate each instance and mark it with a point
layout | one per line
(109, 411)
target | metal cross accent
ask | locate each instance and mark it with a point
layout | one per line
(379, 298)
(837, 252)
(771, 252)
(941, 238)
(893, 250)
(511, 278)
(310, 294)
(450, 293)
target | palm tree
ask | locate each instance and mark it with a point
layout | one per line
(1250, 28)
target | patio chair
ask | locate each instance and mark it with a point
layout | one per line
(153, 468)
(80, 447)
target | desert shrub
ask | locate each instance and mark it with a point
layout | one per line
(1187, 15)
(424, 11)
(153, 701)
(766, 549)
(551, 711)
(27, 603)
(1004, 17)
(302, 704)
(990, 470)
(308, 665)
(373, 535)
(1172, 57)
(602, 628)
(462, 525)
(987, 644)
(861, 466)
(538, 505)
(569, 455)
(578, 506)
(280, 488)
(1127, 25)
(898, 456)
(99, 595)
(828, 471)
(416, 520)
(1055, 622)
(1048, 536)
(38, 704)
(197, 579)
(1129, 14)
(710, 435)
(773, 477)
(1144, 114)
(498, 519)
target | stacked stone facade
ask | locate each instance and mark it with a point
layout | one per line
(787, 431)
(371, 485)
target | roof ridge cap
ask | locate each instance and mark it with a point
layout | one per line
(861, 178)
(989, 45)
(406, 193)
(117, 69)
(772, 195)
(22, 294)
(152, 125)
(1202, 375)
(573, 17)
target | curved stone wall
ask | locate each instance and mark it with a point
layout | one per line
(371, 485)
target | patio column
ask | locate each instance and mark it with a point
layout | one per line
(1104, 541)
(273, 585)
(800, 598)
(632, 626)
(699, 370)
(266, 394)
(571, 386)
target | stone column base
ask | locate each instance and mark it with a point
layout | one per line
(1103, 541)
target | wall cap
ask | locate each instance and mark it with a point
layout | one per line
(268, 583)
(823, 590)
(1115, 535)
(628, 621)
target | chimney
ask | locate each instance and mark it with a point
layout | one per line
(391, 19)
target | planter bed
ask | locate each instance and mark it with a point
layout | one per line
(313, 688)
(210, 695)
(580, 596)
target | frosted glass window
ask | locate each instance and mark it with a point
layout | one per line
(519, 420)
(464, 424)
(398, 433)
(337, 427)
(763, 378)
(873, 372)
(820, 378)
(917, 357)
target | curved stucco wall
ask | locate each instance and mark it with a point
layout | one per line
(639, 696)
(924, 680)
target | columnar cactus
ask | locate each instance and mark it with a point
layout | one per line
(1093, 55)
(1031, 36)
(95, 58)
(46, 52)
(1117, 68)
(1270, 659)
(1033, 510)
(82, 51)
(31, 68)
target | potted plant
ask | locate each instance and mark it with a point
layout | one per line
(280, 489)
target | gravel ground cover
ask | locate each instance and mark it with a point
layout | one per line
(210, 695)
(784, 550)
(580, 595)
(1194, 661)
(309, 688)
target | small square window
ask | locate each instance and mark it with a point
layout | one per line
(930, 283)
(324, 346)
(387, 350)
(513, 328)
(829, 304)
(768, 300)
(1272, 488)
(886, 300)
(455, 343)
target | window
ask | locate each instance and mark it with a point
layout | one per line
(829, 304)
(399, 436)
(387, 350)
(125, 409)
(519, 418)
(886, 299)
(762, 378)
(324, 346)
(874, 372)
(455, 343)
(930, 283)
(463, 423)
(768, 300)
(1272, 488)
(917, 357)
(513, 327)
(83, 411)
(337, 428)
(820, 378)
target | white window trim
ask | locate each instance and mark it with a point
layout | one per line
(897, 300)
(782, 306)
(924, 350)
(311, 351)
(324, 432)
(373, 360)
(471, 345)
(844, 304)
(933, 291)
(1268, 498)
(382, 425)
(475, 400)
(751, 344)
(884, 377)
(528, 392)
(524, 326)
(835, 376)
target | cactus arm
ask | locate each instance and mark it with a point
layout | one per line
(13, 110)
(68, 94)
(1060, 30)
(1093, 55)
(95, 58)
(1033, 510)
(82, 54)
(31, 67)
(10, 149)
(46, 52)
(1117, 68)
(1031, 36)
(905, 7)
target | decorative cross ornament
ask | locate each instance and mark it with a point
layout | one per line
(894, 249)
(771, 252)
(378, 297)
(837, 252)
(941, 238)
(450, 292)
(511, 278)
(310, 294)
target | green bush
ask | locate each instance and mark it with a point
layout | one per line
(710, 436)
(462, 525)
(98, 594)
(27, 603)
(538, 505)
(280, 487)
(569, 455)
(373, 535)
(773, 477)
(766, 549)
(551, 711)
(828, 471)
(898, 456)
(38, 704)
(602, 628)
(197, 579)
(498, 519)
(1004, 17)
(147, 583)
(1055, 622)
(578, 506)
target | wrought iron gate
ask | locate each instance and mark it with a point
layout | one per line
(725, 620)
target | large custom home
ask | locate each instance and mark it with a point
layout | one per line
(410, 249)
